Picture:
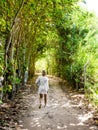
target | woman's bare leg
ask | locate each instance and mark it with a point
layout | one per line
(40, 99)
(45, 99)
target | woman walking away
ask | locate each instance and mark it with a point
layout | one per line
(43, 83)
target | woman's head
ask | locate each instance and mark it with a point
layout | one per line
(43, 72)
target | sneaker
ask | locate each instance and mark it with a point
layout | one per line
(39, 106)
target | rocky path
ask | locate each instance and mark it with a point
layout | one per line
(59, 114)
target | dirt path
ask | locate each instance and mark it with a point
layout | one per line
(60, 113)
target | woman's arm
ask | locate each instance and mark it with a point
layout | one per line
(37, 81)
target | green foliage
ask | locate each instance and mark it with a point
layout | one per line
(78, 50)
(59, 33)
(91, 91)
(1, 58)
(1, 102)
(7, 88)
(16, 81)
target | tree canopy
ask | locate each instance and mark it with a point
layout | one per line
(56, 34)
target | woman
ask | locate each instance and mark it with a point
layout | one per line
(42, 82)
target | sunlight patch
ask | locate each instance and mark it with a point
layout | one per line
(85, 117)
(66, 105)
(72, 124)
(59, 127)
(80, 124)
(93, 128)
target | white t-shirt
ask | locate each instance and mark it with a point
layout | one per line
(43, 83)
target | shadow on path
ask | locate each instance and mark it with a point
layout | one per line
(59, 114)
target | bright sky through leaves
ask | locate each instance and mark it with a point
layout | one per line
(92, 5)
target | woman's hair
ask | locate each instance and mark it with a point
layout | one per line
(43, 72)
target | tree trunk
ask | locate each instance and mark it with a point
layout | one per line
(9, 52)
